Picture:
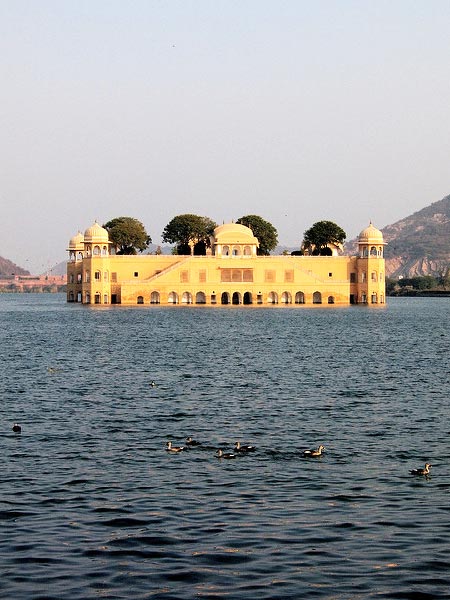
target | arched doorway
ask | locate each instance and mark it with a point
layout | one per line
(272, 298)
(225, 298)
(317, 298)
(186, 298)
(173, 298)
(200, 298)
(236, 298)
(248, 299)
(299, 298)
(286, 298)
(330, 299)
(154, 298)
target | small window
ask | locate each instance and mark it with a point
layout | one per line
(330, 274)
(352, 277)
(97, 275)
(289, 276)
(114, 277)
(136, 274)
(184, 276)
(202, 276)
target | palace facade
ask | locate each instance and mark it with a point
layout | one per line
(230, 273)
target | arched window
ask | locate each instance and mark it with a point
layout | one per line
(225, 250)
(330, 299)
(71, 297)
(236, 251)
(71, 278)
(299, 298)
(80, 256)
(247, 251)
(140, 300)
(317, 298)
(186, 298)
(96, 250)
(373, 251)
(78, 277)
(154, 298)
(173, 298)
(97, 276)
(365, 252)
(87, 277)
(272, 298)
(200, 298)
(104, 250)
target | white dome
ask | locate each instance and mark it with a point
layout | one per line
(234, 233)
(76, 242)
(96, 233)
(371, 235)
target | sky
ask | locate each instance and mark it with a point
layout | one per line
(294, 110)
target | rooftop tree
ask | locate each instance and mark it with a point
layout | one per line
(189, 231)
(317, 238)
(265, 232)
(128, 235)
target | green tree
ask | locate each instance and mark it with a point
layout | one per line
(322, 233)
(128, 235)
(265, 232)
(188, 231)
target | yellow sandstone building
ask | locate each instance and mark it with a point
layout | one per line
(231, 273)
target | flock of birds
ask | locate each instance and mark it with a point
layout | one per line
(240, 449)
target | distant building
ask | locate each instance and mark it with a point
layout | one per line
(230, 273)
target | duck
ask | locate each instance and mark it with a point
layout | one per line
(221, 454)
(191, 442)
(423, 471)
(238, 447)
(317, 452)
(171, 448)
(152, 383)
(16, 428)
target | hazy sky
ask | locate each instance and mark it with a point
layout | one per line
(293, 110)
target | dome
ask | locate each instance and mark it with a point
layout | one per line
(96, 233)
(76, 242)
(371, 235)
(234, 233)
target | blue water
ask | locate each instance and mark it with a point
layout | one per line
(92, 506)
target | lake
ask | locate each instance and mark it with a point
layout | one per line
(93, 506)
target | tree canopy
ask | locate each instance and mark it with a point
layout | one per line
(265, 232)
(189, 230)
(128, 235)
(322, 233)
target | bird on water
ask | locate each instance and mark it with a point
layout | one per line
(317, 452)
(423, 471)
(171, 448)
(191, 442)
(238, 447)
(221, 454)
(16, 428)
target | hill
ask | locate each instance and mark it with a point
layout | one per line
(420, 243)
(8, 269)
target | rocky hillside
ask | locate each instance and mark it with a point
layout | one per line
(8, 269)
(420, 243)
